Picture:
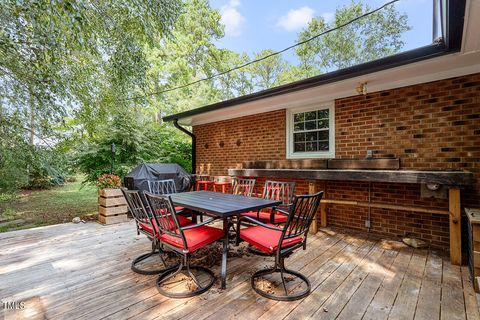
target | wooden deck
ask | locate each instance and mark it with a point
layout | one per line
(83, 272)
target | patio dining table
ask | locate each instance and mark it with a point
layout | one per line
(223, 206)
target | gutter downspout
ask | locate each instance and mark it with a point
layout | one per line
(194, 144)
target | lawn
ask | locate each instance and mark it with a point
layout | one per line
(44, 207)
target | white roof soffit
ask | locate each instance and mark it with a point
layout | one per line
(465, 62)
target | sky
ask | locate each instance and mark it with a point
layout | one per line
(251, 26)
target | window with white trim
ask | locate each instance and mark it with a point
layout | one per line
(311, 132)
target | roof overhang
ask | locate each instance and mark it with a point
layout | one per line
(425, 64)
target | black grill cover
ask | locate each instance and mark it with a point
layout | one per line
(137, 178)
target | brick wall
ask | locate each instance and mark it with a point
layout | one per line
(431, 126)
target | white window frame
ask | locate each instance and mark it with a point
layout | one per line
(331, 135)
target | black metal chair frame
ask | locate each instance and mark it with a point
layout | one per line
(301, 215)
(162, 186)
(281, 191)
(276, 190)
(167, 186)
(164, 205)
(242, 186)
(143, 215)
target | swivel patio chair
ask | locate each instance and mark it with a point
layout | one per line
(275, 190)
(243, 187)
(183, 240)
(281, 242)
(147, 225)
(167, 186)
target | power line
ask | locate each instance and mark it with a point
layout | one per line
(263, 58)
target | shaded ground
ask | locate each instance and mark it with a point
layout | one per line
(45, 207)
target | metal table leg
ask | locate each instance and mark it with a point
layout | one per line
(225, 253)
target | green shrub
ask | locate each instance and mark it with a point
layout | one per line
(136, 141)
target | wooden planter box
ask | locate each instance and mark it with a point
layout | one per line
(112, 206)
(473, 216)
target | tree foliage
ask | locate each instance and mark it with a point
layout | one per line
(77, 76)
(367, 39)
(137, 140)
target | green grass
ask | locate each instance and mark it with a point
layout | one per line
(45, 207)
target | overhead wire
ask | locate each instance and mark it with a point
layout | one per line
(262, 58)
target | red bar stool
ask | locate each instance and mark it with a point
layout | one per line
(203, 182)
(221, 182)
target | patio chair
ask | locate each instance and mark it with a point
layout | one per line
(146, 224)
(167, 186)
(243, 187)
(275, 190)
(162, 186)
(183, 240)
(281, 242)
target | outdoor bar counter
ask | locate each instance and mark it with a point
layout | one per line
(453, 180)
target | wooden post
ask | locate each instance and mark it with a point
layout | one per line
(455, 226)
(311, 190)
(323, 214)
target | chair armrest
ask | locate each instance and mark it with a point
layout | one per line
(259, 223)
(199, 224)
(275, 209)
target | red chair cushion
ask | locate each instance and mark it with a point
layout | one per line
(196, 238)
(148, 227)
(266, 239)
(264, 216)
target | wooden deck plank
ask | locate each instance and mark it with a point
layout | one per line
(471, 307)
(382, 303)
(453, 305)
(407, 296)
(83, 272)
(278, 310)
(358, 303)
(210, 308)
(152, 306)
(337, 301)
(250, 308)
(330, 282)
(428, 305)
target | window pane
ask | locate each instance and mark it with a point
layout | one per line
(322, 123)
(299, 126)
(322, 145)
(311, 146)
(299, 147)
(298, 137)
(310, 125)
(298, 117)
(323, 135)
(311, 136)
(322, 114)
(312, 115)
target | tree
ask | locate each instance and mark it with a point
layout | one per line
(137, 140)
(375, 36)
(267, 73)
(76, 58)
